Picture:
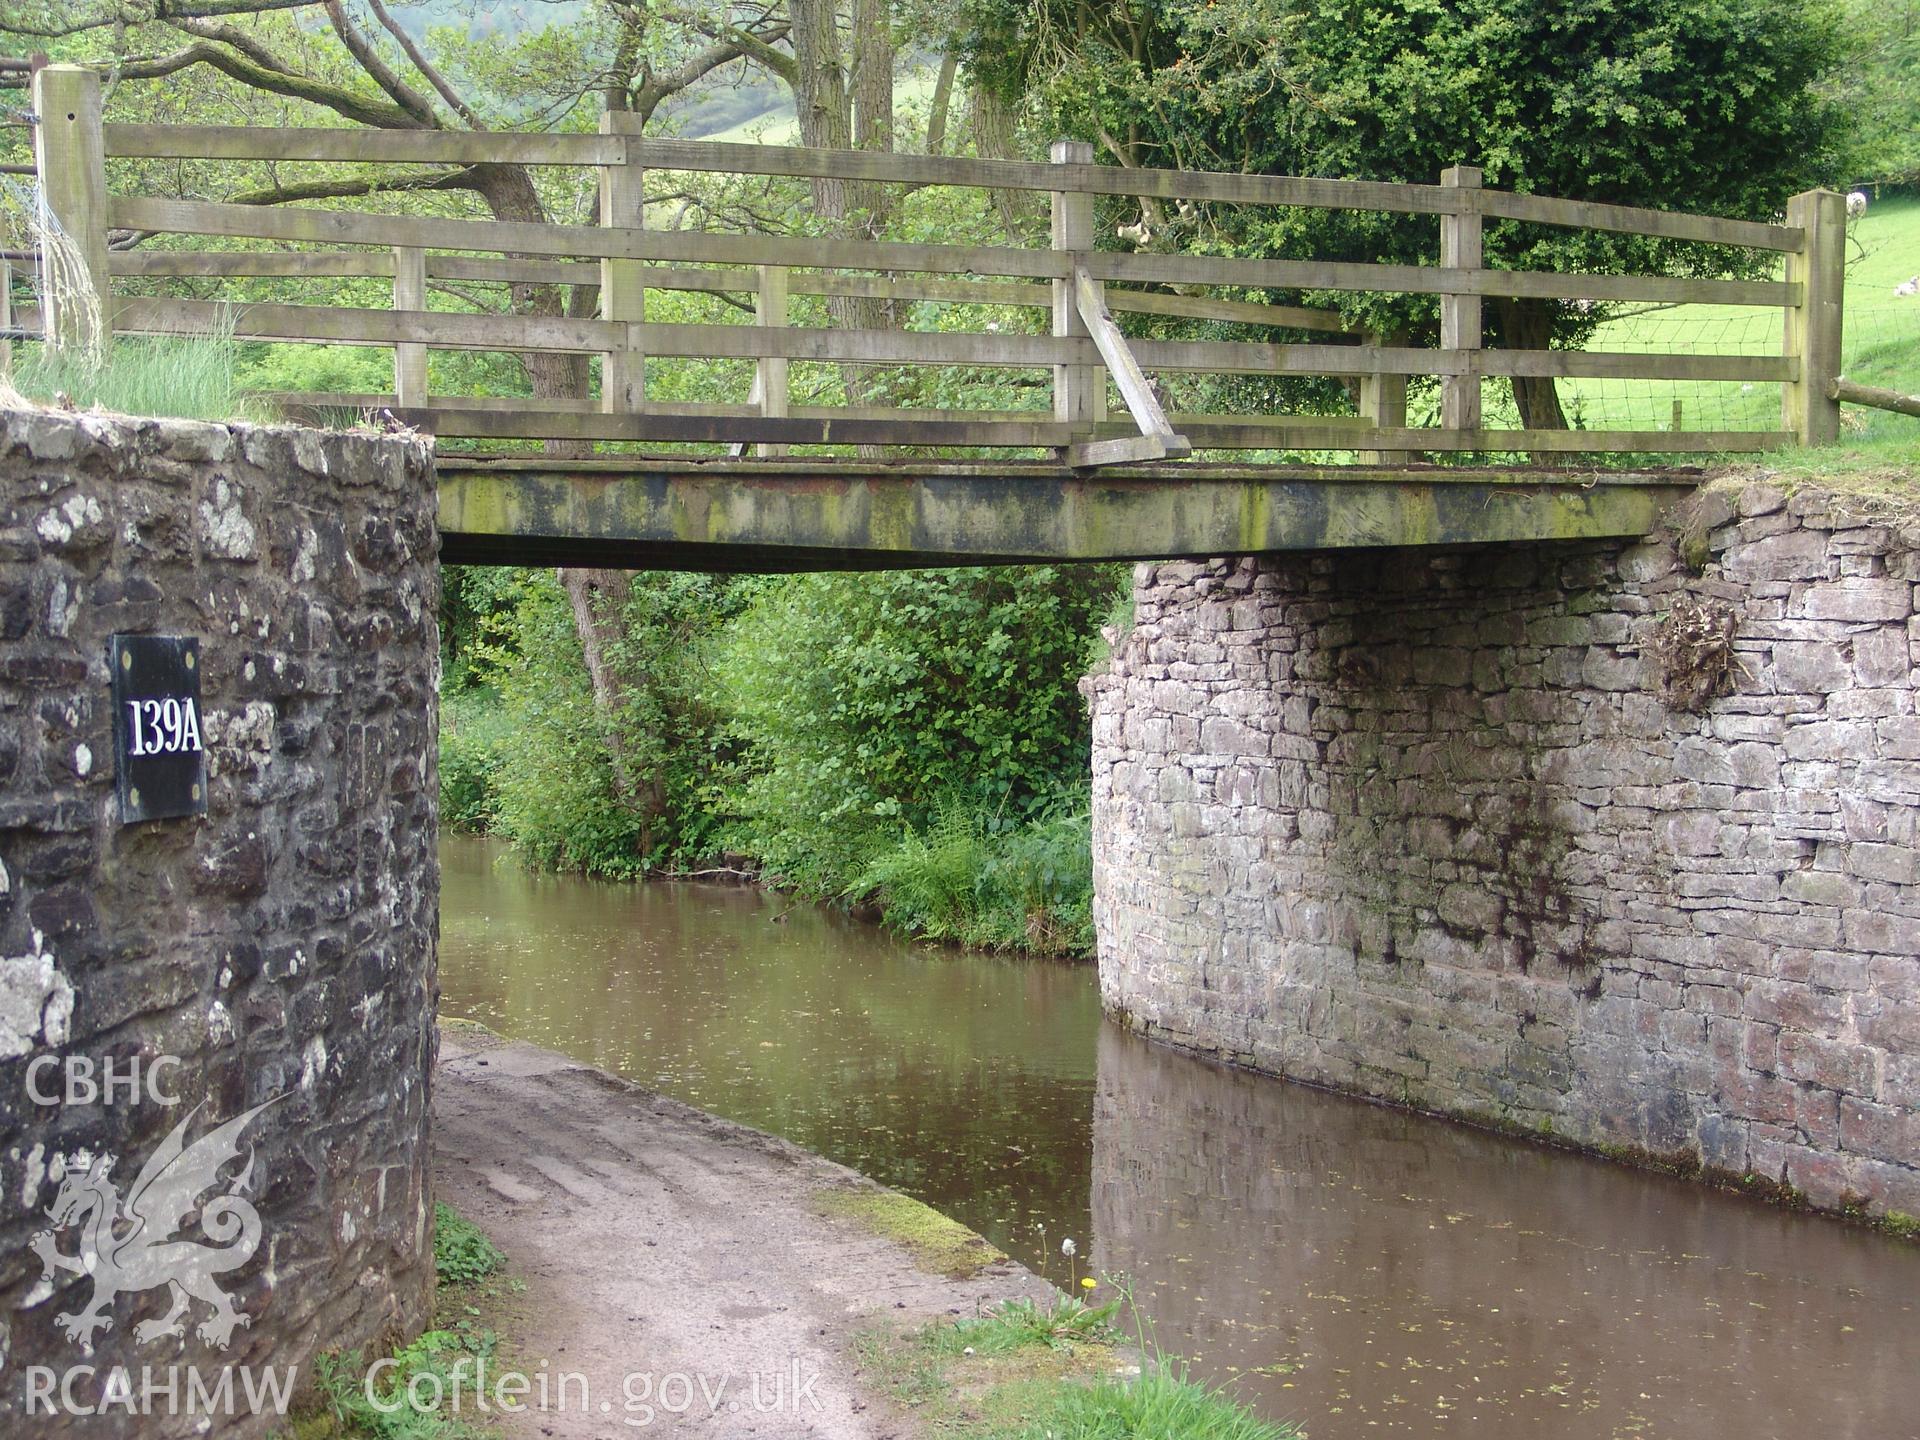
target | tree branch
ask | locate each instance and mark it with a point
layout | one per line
(758, 46)
(656, 88)
(404, 95)
(234, 36)
(425, 66)
(337, 98)
(461, 179)
(176, 10)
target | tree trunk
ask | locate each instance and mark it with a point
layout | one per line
(828, 111)
(1528, 325)
(594, 595)
(994, 138)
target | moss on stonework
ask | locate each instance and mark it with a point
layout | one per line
(939, 1245)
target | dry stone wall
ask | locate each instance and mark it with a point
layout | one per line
(277, 951)
(1616, 843)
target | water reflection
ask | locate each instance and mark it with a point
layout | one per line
(1348, 1266)
(966, 1082)
(1365, 1271)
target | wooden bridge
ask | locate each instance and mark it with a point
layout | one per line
(1107, 471)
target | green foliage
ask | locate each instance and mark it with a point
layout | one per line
(554, 795)
(1712, 106)
(383, 1409)
(915, 739)
(975, 881)
(868, 702)
(1164, 1402)
(474, 735)
(527, 752)
(188, 377)
(1014, 1324)
(1881, 86)
(462, 1254)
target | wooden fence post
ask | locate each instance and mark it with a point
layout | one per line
(623, 283)
(1079, 391)
(1460, 249)
(1383, 403)
(70, 155)
(409, 293)
(1813, 329)
(770, 309)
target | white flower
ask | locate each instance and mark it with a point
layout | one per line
(1069, 1249)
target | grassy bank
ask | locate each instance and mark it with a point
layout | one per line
(1881, 345)
(1028, 1372)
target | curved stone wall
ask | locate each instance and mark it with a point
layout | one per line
(276, 951)
(1478, 832)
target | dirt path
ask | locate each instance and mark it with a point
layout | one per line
(676, 1261)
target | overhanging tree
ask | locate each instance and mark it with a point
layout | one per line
(1711, 106)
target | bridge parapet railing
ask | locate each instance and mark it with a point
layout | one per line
(1090, 360)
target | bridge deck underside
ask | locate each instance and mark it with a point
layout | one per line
(777, 515)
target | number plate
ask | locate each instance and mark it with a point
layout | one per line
(159, 750)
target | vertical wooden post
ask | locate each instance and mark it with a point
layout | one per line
(1813, 329)
(70, 155)
(1460, 249)
(1383, 403)
(623, 283)
(1079, 391)
(770, 310)
(409, 293)
(6, 317)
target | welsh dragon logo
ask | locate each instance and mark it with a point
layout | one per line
(128, 1246)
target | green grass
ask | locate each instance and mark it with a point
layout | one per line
(1881, 347)
(1027, 1372)
(187, 377)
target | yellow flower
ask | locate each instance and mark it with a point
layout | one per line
(1088, 1283)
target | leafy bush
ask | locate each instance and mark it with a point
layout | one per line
(473, 737)
(539, 770)
(968, 879)
(866, 703)
(462, 1254)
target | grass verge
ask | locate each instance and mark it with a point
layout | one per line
(1024, 1372)
(186, 376)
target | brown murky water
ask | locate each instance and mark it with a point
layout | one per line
(1348, 1267)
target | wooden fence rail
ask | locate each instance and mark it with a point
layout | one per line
(1091, 362)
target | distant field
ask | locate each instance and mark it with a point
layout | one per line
(912, 94)
(1882, 343)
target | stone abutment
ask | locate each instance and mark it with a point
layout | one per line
(160, 981)
(1613, 843)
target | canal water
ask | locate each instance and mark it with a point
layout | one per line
(1338, 1264)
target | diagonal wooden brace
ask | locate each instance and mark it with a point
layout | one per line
(1157, 440)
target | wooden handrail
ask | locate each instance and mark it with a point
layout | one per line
(346, 227)
(1081, 285)
(232, 142)
(452, 330)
